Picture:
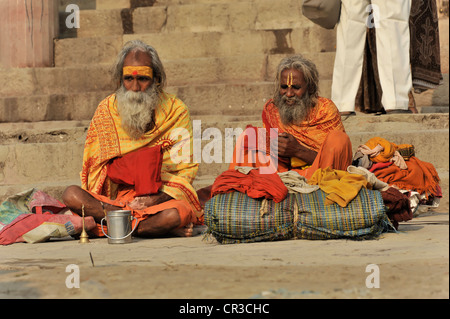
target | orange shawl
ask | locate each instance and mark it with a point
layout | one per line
(420, 176)
(106, 140)
(312, 132)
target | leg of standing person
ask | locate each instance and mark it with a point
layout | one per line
(350, 42)
(393, 50)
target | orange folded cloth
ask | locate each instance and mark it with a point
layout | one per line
(388, 149)
(381, 150)
(254, 184)
(420, 176)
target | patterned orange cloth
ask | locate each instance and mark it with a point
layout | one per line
(106, 140)
(312, 132)
(322, 132)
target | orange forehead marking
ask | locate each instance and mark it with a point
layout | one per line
(290, 80)
(138, 70)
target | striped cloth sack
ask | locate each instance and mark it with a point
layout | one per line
(363, 218)
(236, 218)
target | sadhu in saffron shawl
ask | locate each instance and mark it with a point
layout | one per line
(107, 140)
(322, 131)
(311, 132)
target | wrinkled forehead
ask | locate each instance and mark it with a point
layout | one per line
(290, 76)
(137, 58)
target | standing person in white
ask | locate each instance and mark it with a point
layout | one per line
(391, 20)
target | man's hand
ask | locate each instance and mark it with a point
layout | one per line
(289, 147)
(143, 202)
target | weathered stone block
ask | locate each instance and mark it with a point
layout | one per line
(112, 4)
(100, 23)
(72, 52)
(149, 19)
(216, 70)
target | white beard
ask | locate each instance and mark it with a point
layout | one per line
(136, 110)
(295, 113)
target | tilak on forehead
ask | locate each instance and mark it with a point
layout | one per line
(290, 80)
(138, 70)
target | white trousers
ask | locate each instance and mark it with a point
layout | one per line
(391, 20)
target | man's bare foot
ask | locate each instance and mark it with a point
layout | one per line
(186, 231)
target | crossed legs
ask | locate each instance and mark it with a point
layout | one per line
(164, 223)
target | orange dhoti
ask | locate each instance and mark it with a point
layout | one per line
(187, 215)
(335, 152)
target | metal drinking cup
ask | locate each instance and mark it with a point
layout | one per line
(119, 226)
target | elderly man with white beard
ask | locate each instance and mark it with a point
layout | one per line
(310, 131)
(128, 156)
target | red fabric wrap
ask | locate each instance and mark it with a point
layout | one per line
(141, 168)
(254, 184)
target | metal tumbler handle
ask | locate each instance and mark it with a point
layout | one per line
(103, 231)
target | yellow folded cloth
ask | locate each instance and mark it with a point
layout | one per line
(341, 186)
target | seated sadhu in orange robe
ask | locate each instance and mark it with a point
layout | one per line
(129, 160)
(310, 131)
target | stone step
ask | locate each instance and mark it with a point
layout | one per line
(52, 151)
(185, 2)
(194, 17)
(225, 16)
(433, 109)
(51, 107)
(47, 81)
(218, 99)
(194, 71)
(185, 45)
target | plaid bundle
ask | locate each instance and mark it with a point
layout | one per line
(363, 218)
(236, 218)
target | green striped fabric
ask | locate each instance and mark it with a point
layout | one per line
(364, 217)
(236, 218)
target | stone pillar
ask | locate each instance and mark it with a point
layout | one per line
(27, 30)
